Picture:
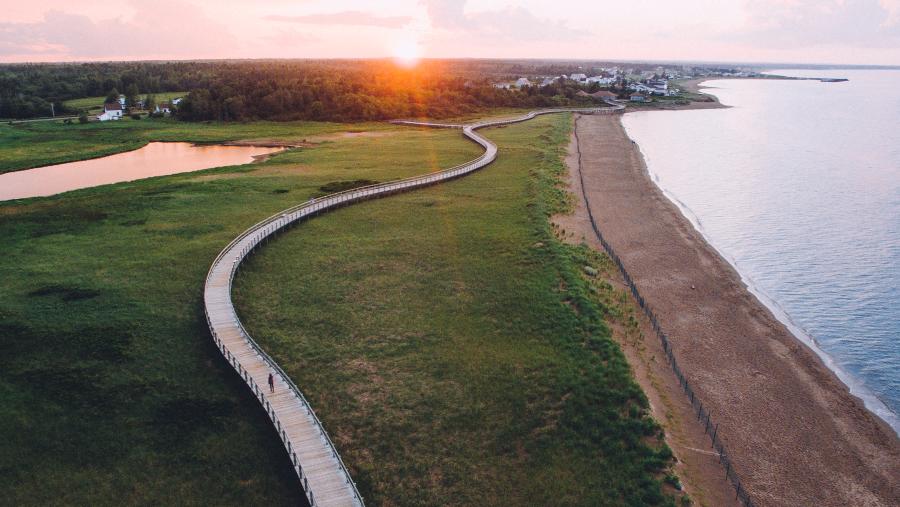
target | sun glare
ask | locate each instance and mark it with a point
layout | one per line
(407, 53)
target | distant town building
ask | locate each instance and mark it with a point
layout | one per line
(637, 97)
(578, 77)
(111, 111)
(521, 82)
(601, 80)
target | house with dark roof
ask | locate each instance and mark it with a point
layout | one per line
(111, 111)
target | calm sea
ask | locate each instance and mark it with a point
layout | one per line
(798, 185)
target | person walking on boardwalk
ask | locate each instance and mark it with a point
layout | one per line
(271, 383)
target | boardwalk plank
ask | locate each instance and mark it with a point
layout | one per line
(329, 482)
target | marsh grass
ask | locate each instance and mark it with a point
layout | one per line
(455, 349)
(27, 145)
(111, 391)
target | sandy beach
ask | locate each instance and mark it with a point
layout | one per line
(795, 434)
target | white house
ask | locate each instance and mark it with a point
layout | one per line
(122, 100)
(578, 77)
(603, 81)
(163, 107)
(111, 111)
(176, 101)
(521, 82)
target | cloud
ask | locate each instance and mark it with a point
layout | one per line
(892, 7)
(288, 38)
(791, 24)
(353, 18)
(156, 31)
(507, 24)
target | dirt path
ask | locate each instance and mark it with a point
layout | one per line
(795, 434)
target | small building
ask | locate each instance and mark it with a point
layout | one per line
(578, 77)
(637, 97)
(111, 111)
(522, 82)
(163, 107)
(176, 101)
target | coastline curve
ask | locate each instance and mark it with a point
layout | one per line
(323, 475)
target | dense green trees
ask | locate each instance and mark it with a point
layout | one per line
(131, 95)
(112, 96)
(344, 90)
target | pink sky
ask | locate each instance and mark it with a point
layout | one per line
(801, 31)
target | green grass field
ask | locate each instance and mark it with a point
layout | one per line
(110, 389)
(454, 347)
(95, 104)
(27, 145)
(457, 352)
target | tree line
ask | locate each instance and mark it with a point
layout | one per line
(334, 90)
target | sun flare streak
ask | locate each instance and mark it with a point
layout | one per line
(406, 53)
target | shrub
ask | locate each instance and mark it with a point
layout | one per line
(672, 480)
(135, 116)
(82, 118)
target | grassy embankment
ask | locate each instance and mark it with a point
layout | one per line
(110, 390)
(26, 145)
(457, 351)
(94, 105)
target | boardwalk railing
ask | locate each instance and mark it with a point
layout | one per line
(703, 414)
(323, 474)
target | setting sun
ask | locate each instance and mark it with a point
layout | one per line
(406, 53)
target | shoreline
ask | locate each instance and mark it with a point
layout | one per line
(856, 386)
(791, 424)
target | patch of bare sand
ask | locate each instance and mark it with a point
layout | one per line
(795, 434)
(698, 468)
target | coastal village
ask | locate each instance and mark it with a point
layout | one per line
(626, 84)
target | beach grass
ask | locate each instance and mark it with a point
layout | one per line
(111, 391)
(455, 349)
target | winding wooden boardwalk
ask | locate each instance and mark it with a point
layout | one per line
(323, 475)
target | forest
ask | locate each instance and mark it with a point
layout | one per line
(334, 90)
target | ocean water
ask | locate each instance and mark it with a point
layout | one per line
(798, 186)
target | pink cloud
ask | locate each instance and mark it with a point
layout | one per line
(354, 18)
(156, 30)
(507, 24)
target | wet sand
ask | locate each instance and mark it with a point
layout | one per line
(795, 434)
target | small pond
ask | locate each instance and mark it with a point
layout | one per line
(154, 159)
